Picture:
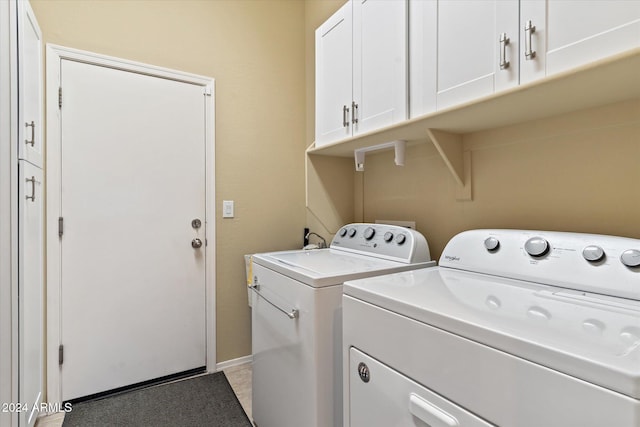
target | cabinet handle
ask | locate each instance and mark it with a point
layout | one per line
(529, 29)
(504, 41)
(32, 180)
(354, 112)
(345, 119)
(32, 125)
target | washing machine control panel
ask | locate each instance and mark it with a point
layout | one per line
(385, 241)
(568, 260)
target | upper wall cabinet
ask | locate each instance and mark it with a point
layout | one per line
(477, 41)
(361, 69)
(30, 131)
(559, 35)
(462, 50)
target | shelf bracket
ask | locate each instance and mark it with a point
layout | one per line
(449, 145)
(399, 146)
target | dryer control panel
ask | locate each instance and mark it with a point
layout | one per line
(607, 265)
(391, 242)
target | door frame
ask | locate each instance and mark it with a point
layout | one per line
(54, 55)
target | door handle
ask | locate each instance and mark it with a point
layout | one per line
(504, 41)
(32, 125)
(345, 119)
(196, 243)
(429, 413)
(529, 29)
(32, 180)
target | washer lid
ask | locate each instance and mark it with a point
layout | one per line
(326, 267)
(592, 337)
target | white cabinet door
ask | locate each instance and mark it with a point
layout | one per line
(361, 69)
(334, 72)
(576, 32)
(469, 49)
(30, 129)
(423, 45)
(379, 64)
(30, 283)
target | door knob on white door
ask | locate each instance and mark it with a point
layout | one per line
(196, 243)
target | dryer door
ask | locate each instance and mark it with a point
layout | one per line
(381, 396)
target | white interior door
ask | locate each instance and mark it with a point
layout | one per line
(132, 181)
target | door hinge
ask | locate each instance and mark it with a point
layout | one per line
(60, 226)
(60, 97)
(207, 91)
(60, 354)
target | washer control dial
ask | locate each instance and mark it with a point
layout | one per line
(352, 232)
(491, 244)
(631, 258)
(343, 232)
(593, 253)
(369, 232)
(536, 246)
(401, 238)
(388, 236)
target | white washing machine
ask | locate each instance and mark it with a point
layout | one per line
(513, 329)
(297, 320)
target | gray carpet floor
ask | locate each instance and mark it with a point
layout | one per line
(206, 400)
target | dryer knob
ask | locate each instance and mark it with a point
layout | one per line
(369, 233)
(536, 246)
(343, 232)
(631, 258)
(401, 238)
(593, 253)
(388, 236)
(352, 232)
(491, 243)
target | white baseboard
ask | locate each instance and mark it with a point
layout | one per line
(234, 362)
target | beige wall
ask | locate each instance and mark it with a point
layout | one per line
(255, 51)
(575, 172)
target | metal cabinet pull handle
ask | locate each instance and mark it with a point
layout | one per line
(293, 314)
(32, 125)
(345, 119)
(529, 29)
(354, 112)
(504, 41)
(32, 180)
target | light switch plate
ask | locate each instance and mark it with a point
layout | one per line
(227, 209)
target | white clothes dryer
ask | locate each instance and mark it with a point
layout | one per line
(512, 329)
(297, 319)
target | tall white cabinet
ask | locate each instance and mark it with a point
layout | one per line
(21, 96)
(361, 69)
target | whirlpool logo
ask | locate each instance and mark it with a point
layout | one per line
(452, 258)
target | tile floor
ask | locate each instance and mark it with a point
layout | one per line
(239, 377)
